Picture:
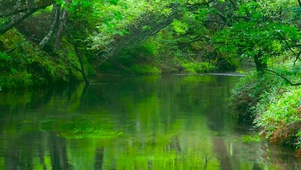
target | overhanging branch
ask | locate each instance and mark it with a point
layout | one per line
(284, 78)
(289, 47)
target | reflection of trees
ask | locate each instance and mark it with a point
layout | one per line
(28, 152)
(145, 122)
(98, 158)
(155, 105)
(23, 148)
(222, 153)
(58, 152)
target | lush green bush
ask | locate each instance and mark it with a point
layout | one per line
(249, 91)
(271, 104)
(197, 67)
(22, 65)
(145, 69)
(280, 118)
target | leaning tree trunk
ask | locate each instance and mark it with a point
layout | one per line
(54, 26)
(16, 19)
(14, 12)
(61, 28)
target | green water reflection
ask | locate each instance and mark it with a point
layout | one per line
(154, 122)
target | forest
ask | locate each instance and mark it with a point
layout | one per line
(61, 42)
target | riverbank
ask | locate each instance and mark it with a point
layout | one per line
(271, 104)
(24, 65)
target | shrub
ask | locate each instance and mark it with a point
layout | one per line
(249, 91)
(197, 67)
(271, 104)
(281, 119)
(25, 66)
(145, 69)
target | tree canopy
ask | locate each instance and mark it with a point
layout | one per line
(79, 38)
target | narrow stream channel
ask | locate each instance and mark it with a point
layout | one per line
(146, 122)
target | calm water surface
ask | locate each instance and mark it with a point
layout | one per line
(132, 123)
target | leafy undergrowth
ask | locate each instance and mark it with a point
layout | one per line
(250, 138)
(248, 92)
(272, 105)
(22, 65)
(280, 118)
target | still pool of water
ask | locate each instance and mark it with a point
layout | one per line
(132, 123)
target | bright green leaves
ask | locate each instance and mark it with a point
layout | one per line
(146, 27)
(4, 57)
(76, 3)
(249, 8)
(118, 15)
(280, 114)
(59, 1)
(250, 38)
(254, 32)
(180, 27)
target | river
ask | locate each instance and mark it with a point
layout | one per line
(143, 122)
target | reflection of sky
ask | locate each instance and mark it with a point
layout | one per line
(175, 122)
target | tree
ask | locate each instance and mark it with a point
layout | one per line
(12, 13)
(151, 17)
(257, 35)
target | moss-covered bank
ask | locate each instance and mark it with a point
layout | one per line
(23, 65)
(271, 104)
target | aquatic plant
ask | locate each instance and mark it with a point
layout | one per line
(250, 138)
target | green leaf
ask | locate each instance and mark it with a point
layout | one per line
(5, 57)
(114, 2)
(118, 32)
(118, 15)
(146, 27)
(13, 71)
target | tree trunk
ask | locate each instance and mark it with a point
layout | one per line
(13, 7)
(261, 65)
(54, 26)
(18, 18)
(61, 29)
(82, 67)
(79, 55)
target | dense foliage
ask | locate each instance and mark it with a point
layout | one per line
(147, 37)
(65, 41)
(273, 103)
